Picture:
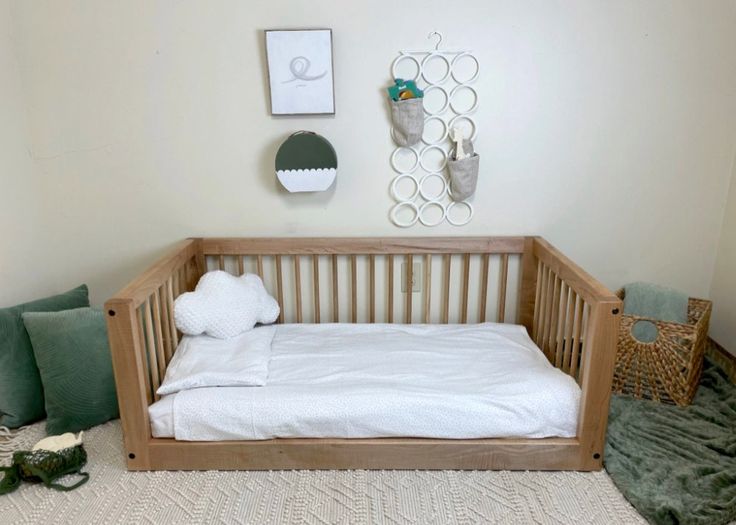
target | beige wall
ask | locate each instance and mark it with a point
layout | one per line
(22, 270)
(608, 127)
(723, 290)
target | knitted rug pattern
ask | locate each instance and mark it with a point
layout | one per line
(114, 495)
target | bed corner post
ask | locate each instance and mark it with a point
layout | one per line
(527, 294)
(597, 377)
(124, 336)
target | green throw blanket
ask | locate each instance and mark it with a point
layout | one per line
(677, 465)
(655, 302)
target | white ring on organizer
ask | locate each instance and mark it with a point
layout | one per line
(395, 209)
(425, 150)
(432, 203)
(477, 68)
(444, 106)
(469, 119)
(444, 133)
(447, 73)
(408, 57)
(416, 159)
(440, 194)
(475, 102)
(395, 191)
(459, 223)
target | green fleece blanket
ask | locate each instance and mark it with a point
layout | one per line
(677, 465)
(656, 302)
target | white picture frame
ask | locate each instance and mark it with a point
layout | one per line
(300, 72)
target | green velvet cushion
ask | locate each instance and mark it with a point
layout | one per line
(76, 369)
(21, 393)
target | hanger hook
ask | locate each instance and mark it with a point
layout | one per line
(439, 40)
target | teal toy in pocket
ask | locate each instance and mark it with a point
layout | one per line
(404, 90)
(407, 112)
(50, 459)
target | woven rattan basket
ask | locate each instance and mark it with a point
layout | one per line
(667, 369)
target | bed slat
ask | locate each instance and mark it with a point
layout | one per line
(182, 281)
(542, 305)
(160, 356)
(390, 309)
(151, 349)
(175, 284)
(146, 376)
(538, 294)
(166, 328)
(501, 316)
(335, 302)
(280, 288)
(372, 286)
(483, 287)
(409, 287)
(567, 338)
(552, 339)
(427, 287)
(446, 285)
(315, 282)
(551, 285)
(564, 293)
(579, 310)
(465, 289)
(298, 288)
(353, 289)
(172, 322)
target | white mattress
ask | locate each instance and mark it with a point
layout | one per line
(380, 380)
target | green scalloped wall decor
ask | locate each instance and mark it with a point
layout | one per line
(306, 162)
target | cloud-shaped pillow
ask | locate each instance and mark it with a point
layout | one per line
(224, 306)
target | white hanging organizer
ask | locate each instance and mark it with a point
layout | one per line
(432, 207)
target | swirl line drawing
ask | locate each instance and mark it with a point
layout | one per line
(299, 67)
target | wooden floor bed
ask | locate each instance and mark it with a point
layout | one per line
(524, 280)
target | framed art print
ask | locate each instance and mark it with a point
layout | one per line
(300, 71)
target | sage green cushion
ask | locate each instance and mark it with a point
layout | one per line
(21, 393)
(74, 361)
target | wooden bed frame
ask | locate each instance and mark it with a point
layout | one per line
(571, 317)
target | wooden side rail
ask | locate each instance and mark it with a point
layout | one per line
(143, 338)
(575, 324)
(463, 279)
(361, 245)
(570, 316)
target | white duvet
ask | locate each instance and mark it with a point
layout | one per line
(379, 380)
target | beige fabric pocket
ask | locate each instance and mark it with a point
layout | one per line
(408, 121)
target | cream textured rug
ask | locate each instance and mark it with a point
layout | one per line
(114, 495)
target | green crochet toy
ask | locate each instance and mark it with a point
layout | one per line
(50, 459)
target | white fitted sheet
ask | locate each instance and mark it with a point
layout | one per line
(381, 380)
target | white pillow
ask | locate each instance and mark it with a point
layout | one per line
(203, 361)
(223, 305)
